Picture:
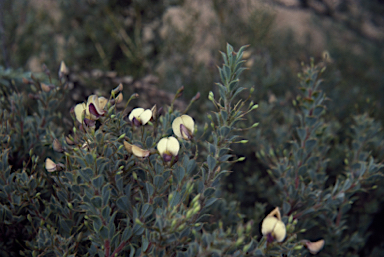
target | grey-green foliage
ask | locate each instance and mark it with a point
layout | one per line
(105, 201)
(301, 169)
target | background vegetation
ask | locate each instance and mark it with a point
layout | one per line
(159, 46)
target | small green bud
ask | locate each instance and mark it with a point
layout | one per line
(34, 253)
(241, 159)
(31, 152)
(121, 146)
(248, 228)
(79, 236)
(181, 227)
(74, 130)
(113, 116)
(240, 230)
(197, 224)
(374, 187)
(294, 222)
(290, 219)
(246, 247)
(346, 161)
(255, 125)
(254, 107)
(211, 96)
(42, 222)
(189, 214)
(173, 224)
(86, 223)
(170, 197)
(196, 209)
(243, 141)
(303, 230)
(251, 90)
(120, 172)
(205, 127)
(29, 217)
(195, 199)
(38, 194)
(121, 167)
(134, 175)
(239, 241)
(70, 206)
(137, 221)
(86, 217)
(298, 247)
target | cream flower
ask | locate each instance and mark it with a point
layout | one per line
(183, 127)
(50, 165)
(168, 147)
(272, 227)
(95, 106)
(315, 247)
(139, 116)
(135, 150)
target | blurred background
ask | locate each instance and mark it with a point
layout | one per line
(156, 46)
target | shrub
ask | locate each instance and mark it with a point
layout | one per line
(121, 184)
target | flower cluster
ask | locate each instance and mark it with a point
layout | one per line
(168, 147)
(94, 108)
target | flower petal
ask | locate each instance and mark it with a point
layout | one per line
(162, 145)
(145, 116)
(279, 231)
(268, 225)
(128, 147)
(79, 111)
(135, 113)
(173, 146)
(315, 247)
(102, 102)
(50, 165)
(176, 127)
(138, 152)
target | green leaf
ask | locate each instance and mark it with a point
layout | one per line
(318, 110)
(96, 223)
(310, 144)
(302, 133)
(106, 193)
(310, 121)
(210, 201)
(123, 203)
(209, 191)
(211, 162)
(159, 181)
(97, 201)
(212, 149)
(104, 232)
(179, 173)
(175, 199)
(150, 188)
(89, 158)
(127, 234)
(146, 210)
(224, 131)
(145, 243)
(98, 181)
(86, 173)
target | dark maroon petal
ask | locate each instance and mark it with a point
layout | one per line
(270, 238)
(167, 157)
(93, 111)
(185, 131)
(136, 122)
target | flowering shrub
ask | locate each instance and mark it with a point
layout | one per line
(147, 182)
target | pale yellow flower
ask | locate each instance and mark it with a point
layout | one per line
(139, 116)
(183, 127)
(168, 148)
(50, 165)
(272, 227)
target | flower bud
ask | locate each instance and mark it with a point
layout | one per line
(315, 247)
(272, 227)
